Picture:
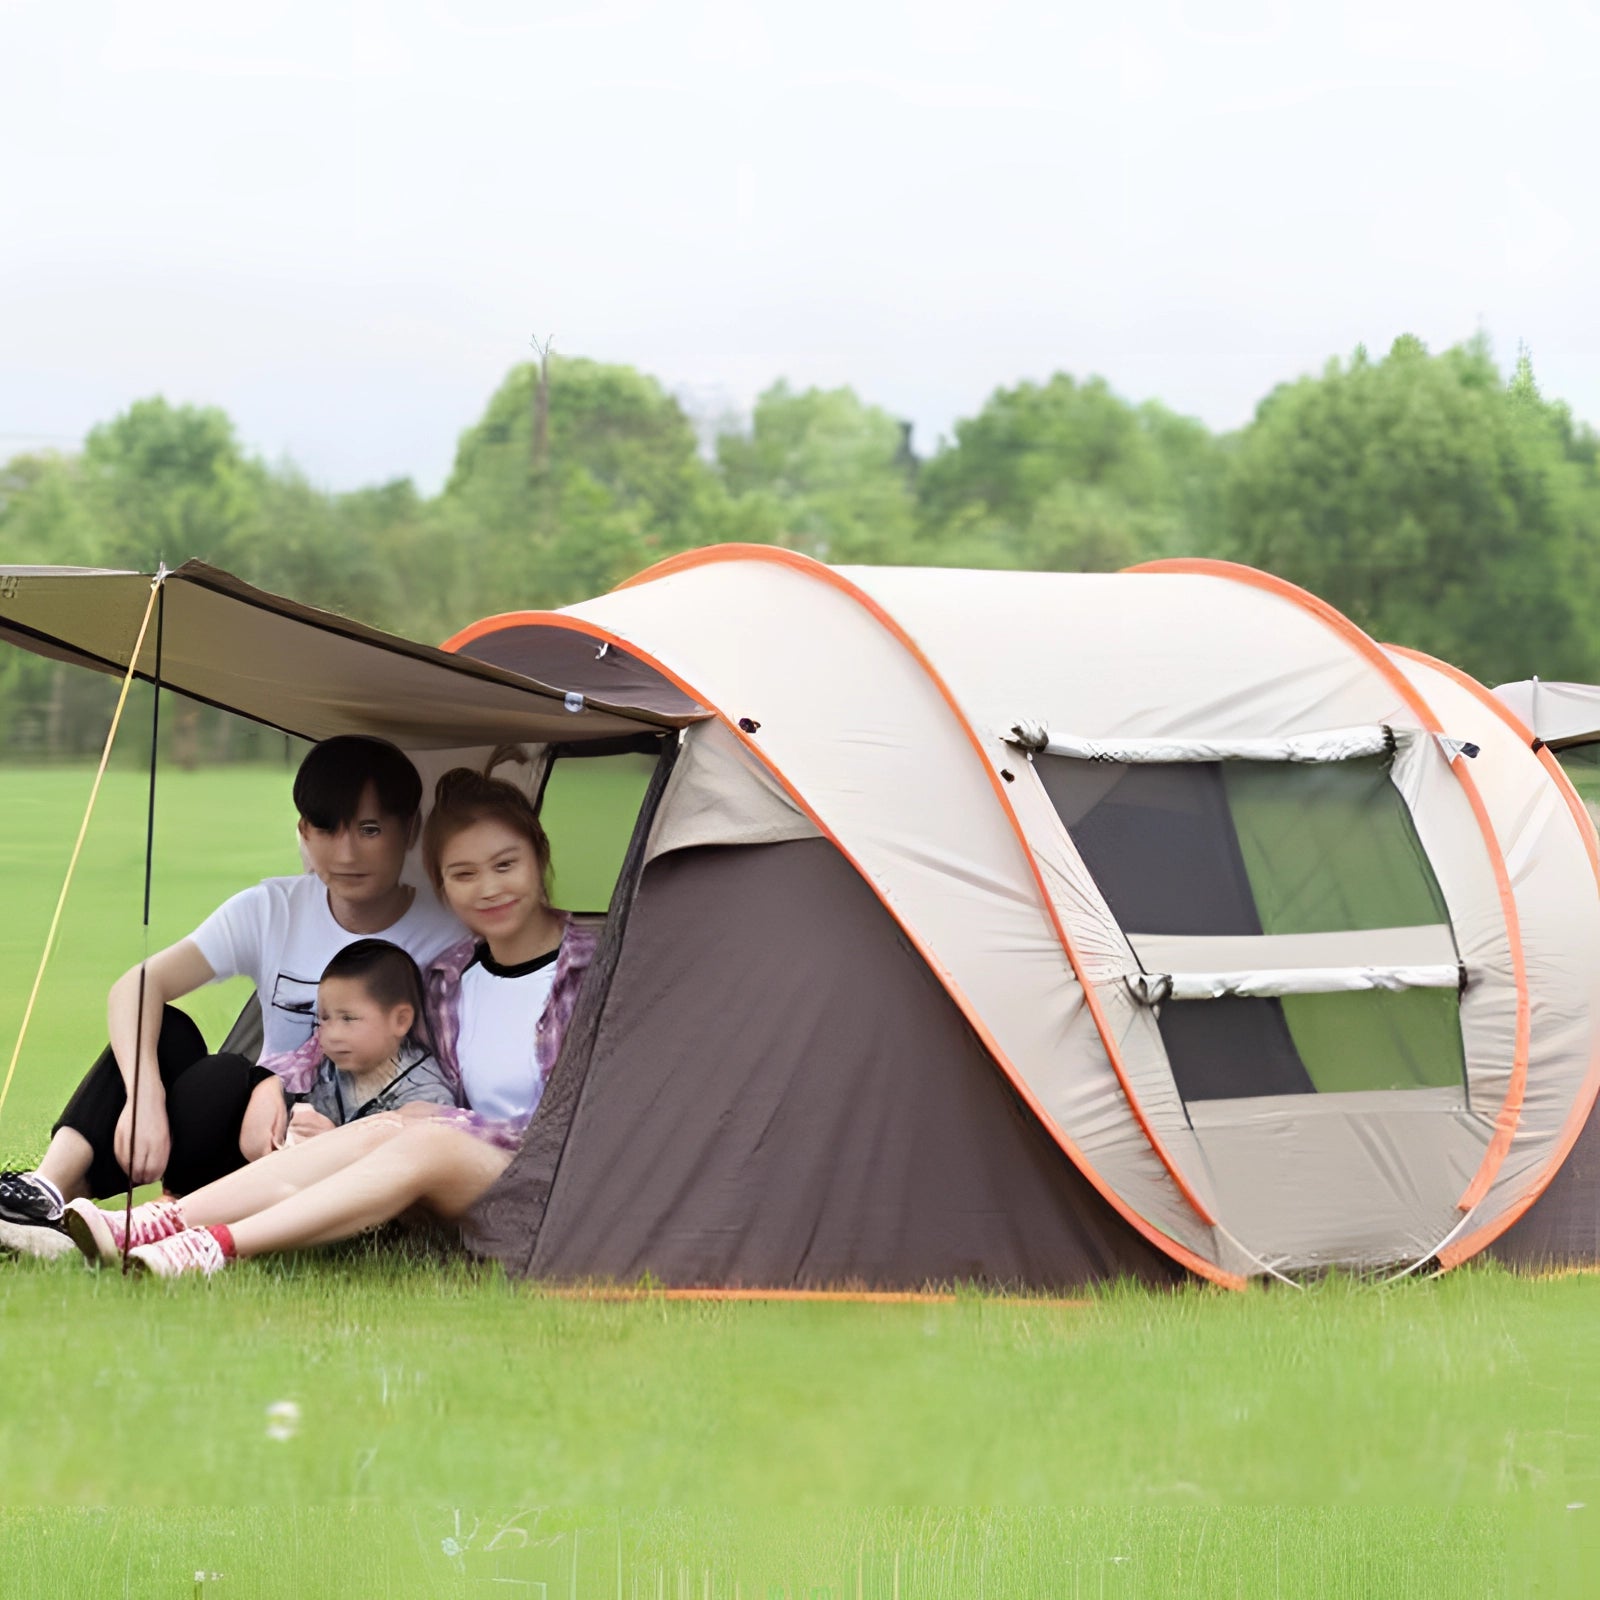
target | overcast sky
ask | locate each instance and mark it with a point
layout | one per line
(342, 219)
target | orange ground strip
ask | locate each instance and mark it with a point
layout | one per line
(1464, 1248)
(816, 571)
(1510, 1112)
(1180, 1253)
(865, 1297)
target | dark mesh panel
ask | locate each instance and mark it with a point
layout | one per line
(1159, 842)
(1231, 1049)
(1330, 846)
(782, 1095)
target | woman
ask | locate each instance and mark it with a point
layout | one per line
(502, 1001)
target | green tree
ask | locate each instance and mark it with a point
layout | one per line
(820, 471)
(1433, 503)
(43, 518)
(619, 484)
(169, 483)
(1068, 475)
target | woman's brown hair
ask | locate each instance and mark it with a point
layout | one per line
(463, 798)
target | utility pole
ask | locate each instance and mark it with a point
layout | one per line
(539, 447)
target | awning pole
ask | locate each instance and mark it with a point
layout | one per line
(144, 960)
(77, 849)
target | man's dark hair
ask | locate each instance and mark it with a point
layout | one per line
(389, 976)
(335, 773)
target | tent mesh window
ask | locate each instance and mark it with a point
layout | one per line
(588, 805)
(1264, 848)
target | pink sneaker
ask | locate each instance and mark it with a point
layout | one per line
(98, 1233)
(192, 1250)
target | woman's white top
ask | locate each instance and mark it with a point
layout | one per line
(500, 1011)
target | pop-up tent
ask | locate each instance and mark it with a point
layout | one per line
(1035, 927)
(1561, 715)
(1027, 929)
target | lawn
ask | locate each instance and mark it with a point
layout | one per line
(452, 1431)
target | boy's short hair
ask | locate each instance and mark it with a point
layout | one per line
(335, 773)
(389, 975)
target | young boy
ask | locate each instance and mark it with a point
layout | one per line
(201, 1116)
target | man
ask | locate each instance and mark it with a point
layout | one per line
(201, 1116)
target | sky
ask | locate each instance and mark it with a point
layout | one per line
(343, 220)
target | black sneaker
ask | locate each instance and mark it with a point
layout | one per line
(27, 1198)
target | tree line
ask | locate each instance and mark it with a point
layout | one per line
(1438, 501)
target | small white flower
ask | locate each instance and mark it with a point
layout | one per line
(283, 1420)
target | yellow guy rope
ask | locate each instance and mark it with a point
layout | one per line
(55, 921)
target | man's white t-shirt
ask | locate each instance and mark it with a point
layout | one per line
(281, 934)
(500, 1012)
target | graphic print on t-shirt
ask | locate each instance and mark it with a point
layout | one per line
(296, 997)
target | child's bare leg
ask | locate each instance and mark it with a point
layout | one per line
(443, 1168)
(276, 1177)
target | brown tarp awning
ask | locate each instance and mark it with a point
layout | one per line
(293, 667)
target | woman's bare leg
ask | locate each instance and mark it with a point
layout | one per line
(275, 1177)
(442, 1168)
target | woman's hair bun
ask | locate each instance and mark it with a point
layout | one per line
(504, 755)
(458, 785)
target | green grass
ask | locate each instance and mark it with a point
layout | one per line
(1423, 1439)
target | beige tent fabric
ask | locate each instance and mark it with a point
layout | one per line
(1132, 655)
(290, 666)
(1559, 908)
(854, 724)
(862, 733)
(720, 793)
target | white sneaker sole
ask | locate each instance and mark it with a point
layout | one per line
(35, 1239)
(91, 1233)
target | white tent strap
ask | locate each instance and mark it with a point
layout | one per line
(1337, 744)
(1426, 945)
(1152, 988)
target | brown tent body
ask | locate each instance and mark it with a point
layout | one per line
(794, 1102)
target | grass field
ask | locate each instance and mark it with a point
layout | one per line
(456, 1431)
